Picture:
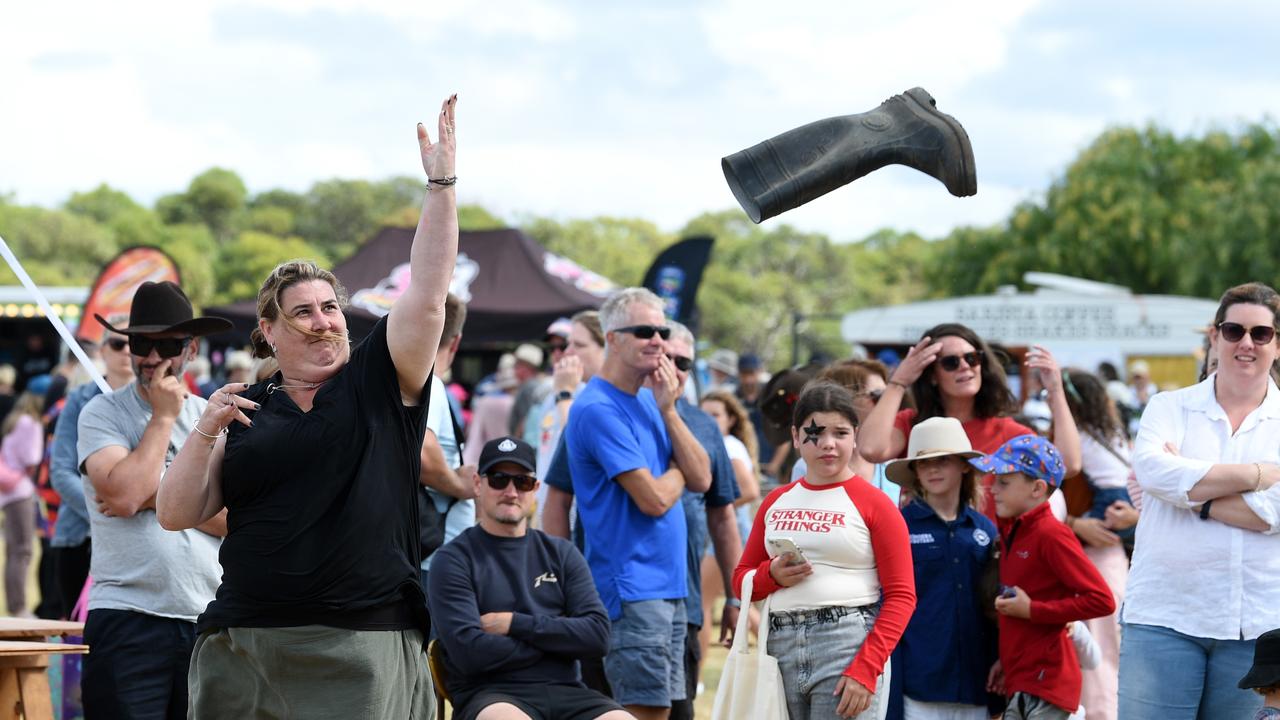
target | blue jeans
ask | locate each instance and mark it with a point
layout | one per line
(645, 664)
(1168, 675)
(813, 649)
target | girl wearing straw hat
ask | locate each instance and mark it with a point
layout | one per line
(948, 647)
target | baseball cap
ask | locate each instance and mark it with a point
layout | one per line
(508, 449)
(1030, 455)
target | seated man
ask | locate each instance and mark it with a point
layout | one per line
(515, 608)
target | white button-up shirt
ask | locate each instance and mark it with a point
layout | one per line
(1201, 577)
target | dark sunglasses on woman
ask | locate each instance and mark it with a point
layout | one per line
(873, 396)
(951, 363)
(117, 344)
(646, 332)
(682, 363)
(500, 480)
(1234, 332)
(165, 347)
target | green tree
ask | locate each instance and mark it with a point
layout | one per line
(215, 197)
(102, 204)
(194, 250)
(55, 246)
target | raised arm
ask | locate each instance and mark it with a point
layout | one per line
(686, 452)
(878, 439)
(417, 317)
(1066, 436)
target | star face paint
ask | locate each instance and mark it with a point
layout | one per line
(813, 431)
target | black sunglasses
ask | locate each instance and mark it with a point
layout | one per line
(646, 332)
(500, 480)
(117, 344)
(682, 363)
(951, 363)
(165, 347)
(1234, 332)
(873, 396)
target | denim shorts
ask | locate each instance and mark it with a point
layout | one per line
(814, 648)
(645, 664)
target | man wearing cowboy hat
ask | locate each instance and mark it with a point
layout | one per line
(149, 584)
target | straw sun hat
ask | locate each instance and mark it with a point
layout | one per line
(932, 438)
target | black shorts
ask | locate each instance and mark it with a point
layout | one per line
(540, 702)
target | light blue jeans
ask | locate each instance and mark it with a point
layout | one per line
(1167, 675)
(813, 649)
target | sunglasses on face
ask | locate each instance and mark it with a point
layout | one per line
(165, 347)
(1234, 332)
(117, 344)
(951, 363)
(682, 363)
(557, 347)
(500, 480)
(646, 332)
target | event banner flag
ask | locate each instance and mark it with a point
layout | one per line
(675, 275)
(113, 291)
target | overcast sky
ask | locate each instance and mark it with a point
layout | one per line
(578, 109)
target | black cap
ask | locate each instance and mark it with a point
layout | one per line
(508, 449)
(1266, 662)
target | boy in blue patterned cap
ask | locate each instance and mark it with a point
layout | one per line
(1048, 583)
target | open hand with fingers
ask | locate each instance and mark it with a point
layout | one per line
(919, 356)
(225, 406)
(438, 156)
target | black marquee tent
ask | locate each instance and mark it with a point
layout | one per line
(513, 287)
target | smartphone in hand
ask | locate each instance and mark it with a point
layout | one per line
(787, 546)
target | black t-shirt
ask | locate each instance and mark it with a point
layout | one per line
(322, 519)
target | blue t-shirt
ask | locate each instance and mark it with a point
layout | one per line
(724, 490)
(632, 556)
(948, 622)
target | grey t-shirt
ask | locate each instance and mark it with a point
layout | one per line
(136, 564)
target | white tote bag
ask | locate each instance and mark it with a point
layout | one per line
(751, 684)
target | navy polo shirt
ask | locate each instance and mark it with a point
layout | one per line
(949, 646)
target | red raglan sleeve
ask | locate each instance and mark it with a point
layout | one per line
(755, 557)
(892, 547)
(1064, 557)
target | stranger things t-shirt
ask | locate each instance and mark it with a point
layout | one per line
(322, 522)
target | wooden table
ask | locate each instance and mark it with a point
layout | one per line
(24, 665)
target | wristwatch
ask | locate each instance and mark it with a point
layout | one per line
(1204, 509)
(564, 395)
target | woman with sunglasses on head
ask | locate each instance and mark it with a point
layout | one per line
(833, 553)
(952, 372)
(1206, 564)
(321, 611)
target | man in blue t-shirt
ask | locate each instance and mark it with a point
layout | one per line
(631, 461)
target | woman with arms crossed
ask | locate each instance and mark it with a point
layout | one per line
(320, 612)
(1206, 560)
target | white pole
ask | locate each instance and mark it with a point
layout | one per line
(58, 325)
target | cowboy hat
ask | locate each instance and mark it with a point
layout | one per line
(162, 307)
(932, 438)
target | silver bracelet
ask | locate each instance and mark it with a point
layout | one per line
(211, 437)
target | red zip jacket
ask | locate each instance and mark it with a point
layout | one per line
(1043, 557)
